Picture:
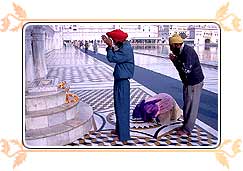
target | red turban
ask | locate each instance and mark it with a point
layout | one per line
(117, 35)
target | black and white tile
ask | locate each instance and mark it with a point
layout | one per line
(92, 81)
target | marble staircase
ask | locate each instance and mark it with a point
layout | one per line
(49, 121)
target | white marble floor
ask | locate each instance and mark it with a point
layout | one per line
(92, 81)
(165, 66)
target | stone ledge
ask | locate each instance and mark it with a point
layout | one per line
(49, 111)
(49, 118)
(45, 100)
(33, 95)
(59, 135)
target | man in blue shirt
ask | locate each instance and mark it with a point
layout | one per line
(187, 64)
(122, 55)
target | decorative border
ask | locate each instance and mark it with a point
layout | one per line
(19, 155)
(20, 15)
(223, 156)
(223, 18)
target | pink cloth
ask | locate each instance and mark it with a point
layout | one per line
(165, 104)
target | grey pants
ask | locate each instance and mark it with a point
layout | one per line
(191, 98)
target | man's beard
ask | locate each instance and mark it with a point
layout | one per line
(176, 51)
(118, 44)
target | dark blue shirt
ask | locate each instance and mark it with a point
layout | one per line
(188, 66)
(124, 59)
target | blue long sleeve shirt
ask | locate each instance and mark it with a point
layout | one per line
(124, 59)
(188, 66)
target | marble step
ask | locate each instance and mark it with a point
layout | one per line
(60, 134)
(35, 101)
(54, 116)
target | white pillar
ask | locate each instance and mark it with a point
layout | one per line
(49, 43)
(38, 36)
(57, 41)
(45, 43)
(29, 61)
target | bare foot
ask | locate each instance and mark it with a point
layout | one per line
(124, 142)
(114, 132)
(177, 129)
(181, 132)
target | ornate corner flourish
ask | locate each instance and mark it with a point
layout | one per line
(223, 156)
(20, 16)
(17, 157)
(223, 16)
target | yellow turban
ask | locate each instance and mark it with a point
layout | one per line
(175, 39)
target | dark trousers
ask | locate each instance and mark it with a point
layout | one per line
(191, 98)
(122, 108)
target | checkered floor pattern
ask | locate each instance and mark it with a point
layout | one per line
(73, 66)
(143, 133)
(102, 100)
(105, 138)
(76, 74)
(69, 57)
(81, 70)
